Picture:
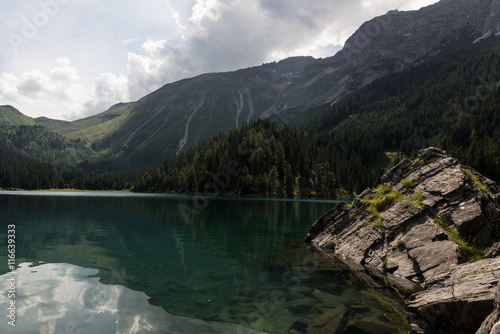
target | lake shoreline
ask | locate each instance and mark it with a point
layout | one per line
(225, 195)
(69, 190)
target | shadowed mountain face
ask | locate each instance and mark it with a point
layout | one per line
(181, 114)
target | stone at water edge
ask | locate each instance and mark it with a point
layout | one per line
(413, 239)
(333, 322)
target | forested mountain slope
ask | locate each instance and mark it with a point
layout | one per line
(451, 101)
(33, 157)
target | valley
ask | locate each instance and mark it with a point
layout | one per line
(317, 96)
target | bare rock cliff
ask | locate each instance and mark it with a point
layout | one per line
(430, 221)
(401, 38)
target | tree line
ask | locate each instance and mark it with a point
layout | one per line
(35, 175)
(33, 157)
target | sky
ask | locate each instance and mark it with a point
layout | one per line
(69, 59)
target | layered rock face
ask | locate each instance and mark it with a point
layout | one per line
(427, 222)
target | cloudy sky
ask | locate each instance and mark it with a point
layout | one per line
(68, 59)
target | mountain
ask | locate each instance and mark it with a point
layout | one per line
(182, 114)
(185, 113)
(450, 101)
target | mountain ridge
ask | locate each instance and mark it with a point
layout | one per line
(181, 114)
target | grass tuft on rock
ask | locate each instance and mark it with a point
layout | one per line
(384, 197)
(475, 252)
(476, 181)
(408, 184)
(417, 199)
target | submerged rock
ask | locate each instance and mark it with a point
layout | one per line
(333, 322)
(426, 222)
(370, 325)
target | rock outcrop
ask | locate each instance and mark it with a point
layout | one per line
(428, 222)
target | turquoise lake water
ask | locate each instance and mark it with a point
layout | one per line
(127, 263)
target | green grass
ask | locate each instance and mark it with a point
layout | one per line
(476, 181)
(408, 184)
(475, 252)
(417, 199)
(98, 126)
(383, 199)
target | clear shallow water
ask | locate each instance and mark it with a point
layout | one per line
(135, 264)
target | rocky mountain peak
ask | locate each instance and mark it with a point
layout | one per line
(400, 38)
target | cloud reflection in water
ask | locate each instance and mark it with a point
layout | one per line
(63, 298)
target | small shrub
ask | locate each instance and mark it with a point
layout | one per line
(380, 224)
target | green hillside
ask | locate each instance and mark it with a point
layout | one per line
(96, 127)
(11, 116)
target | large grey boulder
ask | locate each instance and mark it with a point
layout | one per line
(492, 322)
(459, 298)
(426, 223)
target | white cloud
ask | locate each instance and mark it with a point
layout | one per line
(108, 89)
(38, 89)
(8, 84)
(147, 72)
(153, 47)
(205, 11)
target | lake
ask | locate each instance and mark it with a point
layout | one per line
(131, 263)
